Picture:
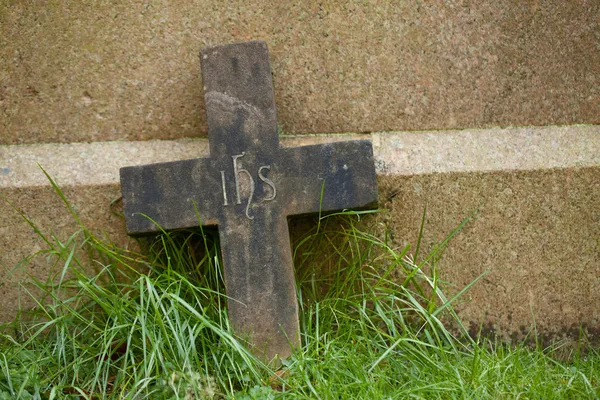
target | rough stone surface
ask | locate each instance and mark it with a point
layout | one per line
(535, 233)
(395, 153)
(47, 211)
(73, 72)
(471, 150)
(248, 187)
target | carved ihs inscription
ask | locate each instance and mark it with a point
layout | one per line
(237, 171)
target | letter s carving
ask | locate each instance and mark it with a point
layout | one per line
(267, 181)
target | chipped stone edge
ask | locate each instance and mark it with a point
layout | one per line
(396, 153)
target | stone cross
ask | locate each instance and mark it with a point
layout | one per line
(248, 187)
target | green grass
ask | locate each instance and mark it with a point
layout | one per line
(374, 324)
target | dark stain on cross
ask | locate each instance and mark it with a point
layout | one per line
(248, 187)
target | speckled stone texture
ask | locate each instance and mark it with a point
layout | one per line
(47, 211)
(71, 72)
(535, 224)
(74, 72)
(535, 233)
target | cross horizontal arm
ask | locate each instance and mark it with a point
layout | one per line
(166, 192)
(342, 171)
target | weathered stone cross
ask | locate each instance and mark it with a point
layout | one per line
(248, 187)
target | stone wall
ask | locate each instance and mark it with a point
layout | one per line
(79, 71)
(121, 72)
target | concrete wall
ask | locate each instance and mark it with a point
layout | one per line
(100, 70)
(533, 195)
(115, 72)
